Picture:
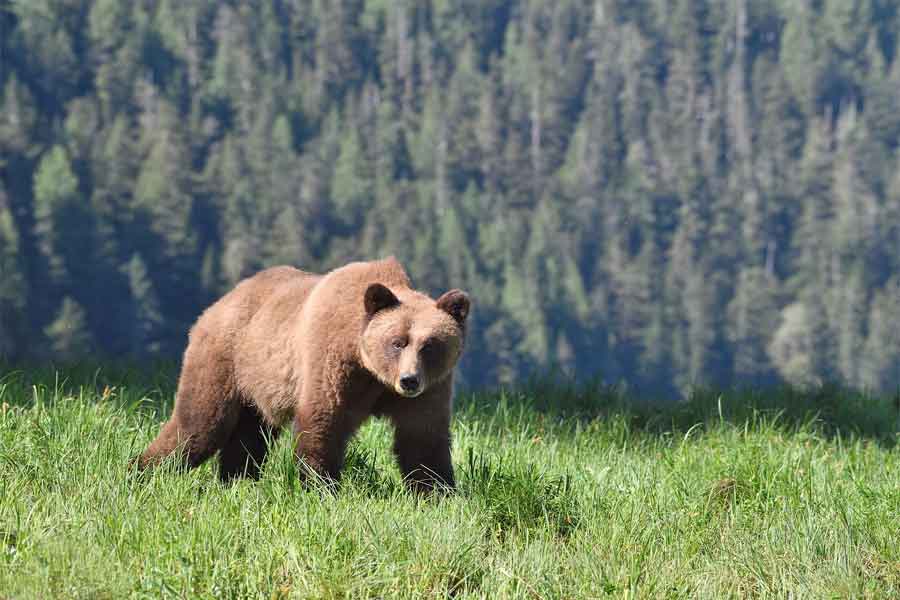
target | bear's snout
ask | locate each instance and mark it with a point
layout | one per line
(410, 384)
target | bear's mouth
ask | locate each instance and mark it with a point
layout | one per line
(408, 393)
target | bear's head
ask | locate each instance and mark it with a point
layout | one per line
(411, 342)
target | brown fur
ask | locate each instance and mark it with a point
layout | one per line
(327, 352)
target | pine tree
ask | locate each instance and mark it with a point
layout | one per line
(881, 369)
(68, 334)
(147, 333)
(18, 117)
(60, 226)
(803, 57)
(464, 159)
(351, 185)
(164, 200)
(812, 253)
(791, 347)
(118, 71)
(112, 200)
(48, 30)
(753, 316)
(854, 202)
(13, 288)
(850, 315)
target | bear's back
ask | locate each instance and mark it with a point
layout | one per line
(230, 315)
(262, 312)
(276, 325)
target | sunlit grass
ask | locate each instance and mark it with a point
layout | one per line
(564, 493)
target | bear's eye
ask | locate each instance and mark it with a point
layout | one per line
(429, 345)
(398, 343)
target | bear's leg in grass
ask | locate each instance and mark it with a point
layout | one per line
(245, 451)
(327, 417)
(321, 434)
(206, 410)
(423, 454)
(422, 437)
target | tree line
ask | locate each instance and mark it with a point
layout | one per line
(662, 192)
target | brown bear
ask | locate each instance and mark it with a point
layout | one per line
(326, 351)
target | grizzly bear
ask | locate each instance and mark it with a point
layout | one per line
(327, 352)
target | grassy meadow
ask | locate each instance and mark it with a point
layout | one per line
(575, 492)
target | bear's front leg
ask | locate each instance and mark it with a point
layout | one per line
(326, 419)
(422, 448)
(321, 435)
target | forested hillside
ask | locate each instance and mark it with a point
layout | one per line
(657, 191)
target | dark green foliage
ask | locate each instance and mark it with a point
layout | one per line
(68, 333)
(663, 193)
(12, 283)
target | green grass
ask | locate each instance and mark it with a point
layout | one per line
(564, 493)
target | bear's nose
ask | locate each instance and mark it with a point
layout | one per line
(409, 383)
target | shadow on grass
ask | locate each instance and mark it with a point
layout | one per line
(829, 409)
(518, 497)
(515, 496)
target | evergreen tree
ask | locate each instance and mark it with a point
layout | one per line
(162, 192)
(18, 116)
(60, 221)
(753, 316)
(351, 185)
(147, 331)
(881, 369)
(13, 287)
(68, 334)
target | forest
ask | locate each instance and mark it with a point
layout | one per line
(659, 193)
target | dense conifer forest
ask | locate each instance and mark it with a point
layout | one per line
(661, 192)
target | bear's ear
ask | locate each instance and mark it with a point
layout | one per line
(379, 297)
(456, 304)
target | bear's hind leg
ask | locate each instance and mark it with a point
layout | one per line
(192, 441)
(205, 413)
(167, 442)
(245, 451)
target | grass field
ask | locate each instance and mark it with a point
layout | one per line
(564, 493)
